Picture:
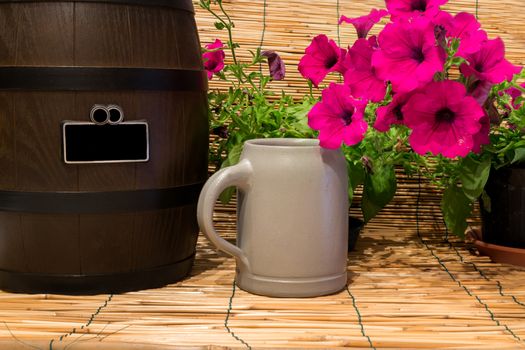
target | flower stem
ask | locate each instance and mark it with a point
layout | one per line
(519, 87)
(310, 86)
(229, 27)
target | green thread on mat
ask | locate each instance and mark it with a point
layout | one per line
(87, 324)
(263, 33)
(18, 340)
(457, 281)
(79, 339)
(360, 319)
(264, 24)
(477, 9)
(338, 26)
(478, 270)
(228, 314)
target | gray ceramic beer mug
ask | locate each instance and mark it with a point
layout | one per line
(292, 217)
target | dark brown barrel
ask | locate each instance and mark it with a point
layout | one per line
(99, 227)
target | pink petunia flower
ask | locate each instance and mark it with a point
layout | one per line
(373, 42)
(464, 27)
(321, 57)
(408, 55)
(489, 63)
(214, 58)
(360, 76)
(480, 90)
(363, 24)
(406, 9)
(443, 119)
(514, 93)
(276, 65)
(483, 136)
(391, 113)
(338, 117)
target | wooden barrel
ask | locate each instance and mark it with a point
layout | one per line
(115, 225)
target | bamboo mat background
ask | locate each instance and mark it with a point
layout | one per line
(400, 293)
(290, 25)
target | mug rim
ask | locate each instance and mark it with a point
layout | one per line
(284, 143)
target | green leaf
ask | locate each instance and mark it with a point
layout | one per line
(456, 61)
(356, 174)
(227, 194)
(474, 175)
(356, 177)
(219, 25)
(519, 155)
(486, 201)
(379, 189)
(456, 208)
(454, 45)
(233, 158)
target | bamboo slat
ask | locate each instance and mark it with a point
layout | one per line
(405, 298)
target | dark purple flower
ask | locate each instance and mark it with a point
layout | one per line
(276, 65)
(221, 131)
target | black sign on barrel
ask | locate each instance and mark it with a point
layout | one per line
(106, 139)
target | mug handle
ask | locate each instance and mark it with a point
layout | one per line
(237, 175)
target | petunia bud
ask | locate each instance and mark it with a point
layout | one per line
(492, 112)
(441, 36)
(276, 65)
(480, 90)
(221, 131)
(400, 145)
(367, 164)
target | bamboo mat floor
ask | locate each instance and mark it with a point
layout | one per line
(399, 297)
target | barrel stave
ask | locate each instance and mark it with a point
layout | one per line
(8, 33)
(12, 253)
(105, 243)
(51, 243)
(44, 42)
(196, 144)
(7, 142)
(102, 35)
(38, 141)
(147, 29)
(164, 112)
